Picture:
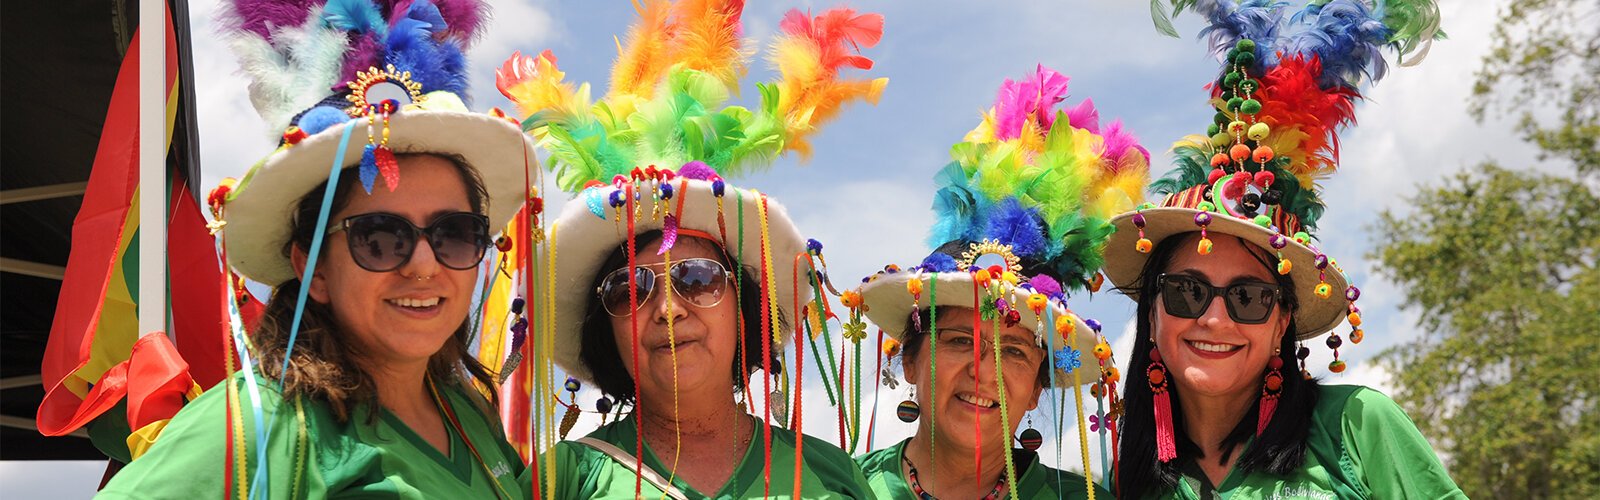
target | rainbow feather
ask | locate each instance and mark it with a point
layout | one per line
(1041, 179)
(670, 85)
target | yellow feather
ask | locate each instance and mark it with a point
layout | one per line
(645, 59)
(708, 40)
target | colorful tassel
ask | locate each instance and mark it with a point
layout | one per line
(1271, 388)
(1166, 440)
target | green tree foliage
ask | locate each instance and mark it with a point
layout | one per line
(1506, 376)
(1545, 59)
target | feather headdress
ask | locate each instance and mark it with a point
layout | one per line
(1043, 180)
(669, 86)
(1289, 85)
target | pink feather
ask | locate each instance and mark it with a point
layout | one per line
(1085, 116)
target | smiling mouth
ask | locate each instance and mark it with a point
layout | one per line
(1210, 347)
(676, 345)
(976, 400)
(416, 304)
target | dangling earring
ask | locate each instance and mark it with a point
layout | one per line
(908, 411)
(1271, 387)
(1031, 439)
(1156, 374)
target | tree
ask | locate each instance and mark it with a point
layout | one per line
(1506, 377)
(1544, 57)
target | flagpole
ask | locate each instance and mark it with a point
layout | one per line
(152, 167)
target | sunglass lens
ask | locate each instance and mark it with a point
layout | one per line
(459, 240)
(1251, 303)
(380, 242)
(1185, 297)
(614, 290)
(699, 281)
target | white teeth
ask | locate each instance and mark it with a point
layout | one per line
(977, 400)
(415, 303)
(1208, 347)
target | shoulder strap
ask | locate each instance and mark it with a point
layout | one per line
(632, 462)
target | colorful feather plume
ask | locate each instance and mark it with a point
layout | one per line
(299, 52)
(1044, 180)
(1288, 87)
(669, 88)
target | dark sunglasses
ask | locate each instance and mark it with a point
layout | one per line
(383, 242)
(1187, 297)
(700, 282)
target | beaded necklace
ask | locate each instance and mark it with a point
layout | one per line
(916, 486)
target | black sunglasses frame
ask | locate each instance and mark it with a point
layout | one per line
(1212, 292)
(481, 246)
(600, 291)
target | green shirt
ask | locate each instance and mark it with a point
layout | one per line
(378, 459)
(1361, 445)
(1035, 480)
(585, 472)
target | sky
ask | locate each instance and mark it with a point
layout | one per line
(866, 194)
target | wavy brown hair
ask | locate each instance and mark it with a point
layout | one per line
(324, 361)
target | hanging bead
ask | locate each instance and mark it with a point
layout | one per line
(1259, 131)
(908, 411)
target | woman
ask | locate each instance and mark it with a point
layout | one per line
(1229, 282)
(672, 287)
(373, 286)
(982, 322)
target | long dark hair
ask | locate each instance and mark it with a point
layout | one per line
(324, 366)
(598, 350)
(1279, 450)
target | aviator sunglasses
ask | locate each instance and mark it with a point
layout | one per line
(700, 282)
(1187, 297)
(382, 242)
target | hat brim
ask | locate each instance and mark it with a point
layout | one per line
(1313, 315)
(889, 305)
(583, 239)
(260, 213)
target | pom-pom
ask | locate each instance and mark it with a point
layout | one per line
(1302, 238)
(219, 195)
(1278, 241)
(697, 170)
(1356, 336)
(1102, 350)
(981, 276)
(517, 305)
(1354, 318)
(1013, 317)
(1250, 106)
(320, 118)
(1202, 219)
(891, 347)
(813, 246)
(850, 299)
(572, 385)
(1320, 261)
(1337, 366)
(293, 135)
(1239, 152)
(1065, 326)
(1204, 248)
(1036, 303)
(1143, 245)
(1263, 221)
(1009, 277)
(1263, 178)
(1259, 131)
(1352, 293)
(914, 286)
(1093, 324)
(1206, 206)
(1284, 266)
(1138, 220)
(1221, 140)
(1334, 341)
(939, 262)
(1218, 160)
(1245, 45)
(1236, 128)
(1323, 290)
(718, 188)
(1046, 285)
(1262, 154)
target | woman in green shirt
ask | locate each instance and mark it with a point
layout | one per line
(358, 380)
(1229, 282)
(982, 323)
(672, 287)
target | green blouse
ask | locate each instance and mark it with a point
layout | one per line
(1036, 480)
(583, 471)
(382, 458)
(1361, 445)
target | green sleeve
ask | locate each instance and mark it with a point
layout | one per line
(573, 467)
(189, 458)
(1393, 458)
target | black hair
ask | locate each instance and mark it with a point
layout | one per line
(1279, 450)
(915, 337)
(598, 350)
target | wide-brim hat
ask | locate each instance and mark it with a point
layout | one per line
(1315, 314)
(889, 304)
(590, 228)
(261, 208)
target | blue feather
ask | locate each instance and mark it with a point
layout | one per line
(1011, 224)
(1347, 37)
(955, 207)
(1230, 21)
(360, 16)
(369, 167)
(939, 263)
(413, 46)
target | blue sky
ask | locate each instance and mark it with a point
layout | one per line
(866, 193)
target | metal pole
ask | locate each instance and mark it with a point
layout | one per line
(152, 166)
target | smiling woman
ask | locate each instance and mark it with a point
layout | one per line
(358, 380)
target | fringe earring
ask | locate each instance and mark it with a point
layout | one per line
(908, 411)
(1156, 374)
(1271, 388)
